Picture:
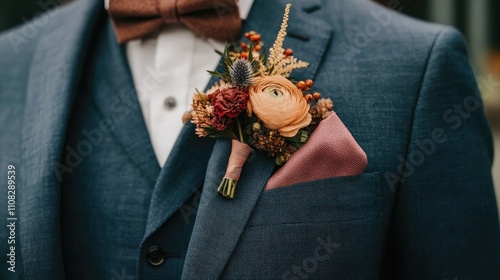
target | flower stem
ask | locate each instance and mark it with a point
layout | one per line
(240, 130)
(227, 188)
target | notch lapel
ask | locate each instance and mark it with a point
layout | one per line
(118, 103)
(181, 176)
(56, 66)
(220, 221)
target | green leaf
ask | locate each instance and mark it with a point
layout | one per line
(214, 73)
(250, 52)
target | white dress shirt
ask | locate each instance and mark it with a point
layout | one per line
(166, 69)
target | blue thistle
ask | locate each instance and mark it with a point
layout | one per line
(241, 73)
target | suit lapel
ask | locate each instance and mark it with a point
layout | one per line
(181, 176)
(117, 101)
(183, 173)
(56, 66)
(220, 222)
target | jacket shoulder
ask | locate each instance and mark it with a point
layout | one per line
(19, 44)
(366, 28)
(21, 40)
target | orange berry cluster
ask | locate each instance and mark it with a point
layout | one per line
(306, 86)
(256, 40)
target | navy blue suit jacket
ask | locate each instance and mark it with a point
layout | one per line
(424, 208)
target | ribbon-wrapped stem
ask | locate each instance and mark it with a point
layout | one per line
(239, 155)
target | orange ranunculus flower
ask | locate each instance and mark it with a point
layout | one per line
(279, 104)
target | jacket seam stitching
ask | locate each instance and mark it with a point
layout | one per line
(413, 114)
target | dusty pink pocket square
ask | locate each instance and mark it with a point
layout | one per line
(331, 151)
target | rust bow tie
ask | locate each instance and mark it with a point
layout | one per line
(216, 19)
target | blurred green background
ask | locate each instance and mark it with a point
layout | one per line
(478, 20)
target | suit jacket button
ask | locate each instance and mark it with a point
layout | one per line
(155, 256)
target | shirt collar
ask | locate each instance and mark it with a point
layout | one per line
(245, 6)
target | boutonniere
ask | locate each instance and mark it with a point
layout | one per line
(257, 105)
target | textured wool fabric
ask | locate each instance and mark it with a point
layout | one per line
(395, 92)
(330, 151)
(127, 204)
(219, 20)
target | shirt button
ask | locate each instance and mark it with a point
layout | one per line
(170, 103)
(155, 256)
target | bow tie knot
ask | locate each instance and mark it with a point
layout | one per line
(133, 19)
(168, 12)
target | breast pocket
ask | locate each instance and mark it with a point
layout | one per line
(322, 201)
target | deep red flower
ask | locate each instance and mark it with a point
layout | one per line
(229, 102)
(221, 123)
